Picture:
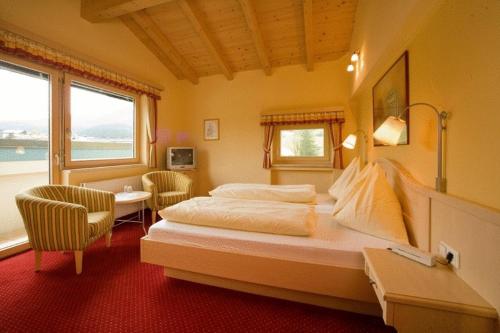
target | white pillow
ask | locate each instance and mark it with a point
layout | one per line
(373, 208)
(345, 196)
(345, 179)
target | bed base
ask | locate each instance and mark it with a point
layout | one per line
(333, 287)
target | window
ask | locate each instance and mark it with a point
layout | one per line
(24, 142)
(305, 145)
(100, 126)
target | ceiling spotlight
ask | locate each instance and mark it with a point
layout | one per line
(355, 56)
(350, 68)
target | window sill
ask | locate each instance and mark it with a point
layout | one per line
(84, 175)
(106, 167)
(301, 168)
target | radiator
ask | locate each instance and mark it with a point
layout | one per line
(116, 185)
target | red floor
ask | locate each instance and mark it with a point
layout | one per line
(116, 293)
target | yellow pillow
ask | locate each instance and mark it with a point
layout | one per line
(347, 176)
(372, 207)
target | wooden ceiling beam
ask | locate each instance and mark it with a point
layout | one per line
(212, 45)
(308, 34)
(151, 45)
(253, 25)
(156, 35)
(101, 10)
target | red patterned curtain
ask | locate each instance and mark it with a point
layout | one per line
(335, 130)
(25, 48)
(268, 140)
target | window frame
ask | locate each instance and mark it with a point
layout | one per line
(76, 164)
(302, 161)
(55, 112)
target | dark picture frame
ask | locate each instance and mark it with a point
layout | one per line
(391, 95)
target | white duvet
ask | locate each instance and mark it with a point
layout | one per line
(284, 193)
(249, 215)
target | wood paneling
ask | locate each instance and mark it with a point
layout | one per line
(100, 10)
(308, 34)
(253, 25)
(228, 36)
(198, 22)
(156, 35)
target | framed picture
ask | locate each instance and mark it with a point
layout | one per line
(391, 97)
(211, 129)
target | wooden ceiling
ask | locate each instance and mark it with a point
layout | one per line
(195, 38)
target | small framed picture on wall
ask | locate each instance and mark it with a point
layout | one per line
(211, 129)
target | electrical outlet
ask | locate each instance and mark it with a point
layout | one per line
(444, 249)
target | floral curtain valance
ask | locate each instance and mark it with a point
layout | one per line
(302, 118)
(25, 48)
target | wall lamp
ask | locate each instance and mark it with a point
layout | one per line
(390, 131)
(350, 142)
(354, 58)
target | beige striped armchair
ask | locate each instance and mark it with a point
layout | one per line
(65, 218)
(167, 188)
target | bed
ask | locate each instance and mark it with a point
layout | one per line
(326, 269)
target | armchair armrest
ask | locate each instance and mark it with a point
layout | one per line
(149, 186)
(94, 200)
(53, 225)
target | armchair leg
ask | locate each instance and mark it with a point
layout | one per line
(38, 260)
(153, 217)
(78, 261)
(108, 238)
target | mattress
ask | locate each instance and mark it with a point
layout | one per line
(331, 244)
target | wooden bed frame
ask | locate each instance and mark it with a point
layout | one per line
(328, 286)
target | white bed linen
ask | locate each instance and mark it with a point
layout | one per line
(302, 193)
(331, 244)
(273, 217)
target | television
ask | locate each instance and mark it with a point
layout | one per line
(181, 158)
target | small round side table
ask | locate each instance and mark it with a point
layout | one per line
(124, 198)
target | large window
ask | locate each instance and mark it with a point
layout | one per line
(305, 145)
(100, 126)
(24, 142)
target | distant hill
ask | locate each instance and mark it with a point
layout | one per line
(106, 132)
(30, 126)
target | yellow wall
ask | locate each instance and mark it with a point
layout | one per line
(237, 157)
(453, 65)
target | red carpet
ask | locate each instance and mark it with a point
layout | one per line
(116, 293)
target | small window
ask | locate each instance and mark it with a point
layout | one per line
(302, 142)
(304, 145)
(101, 127)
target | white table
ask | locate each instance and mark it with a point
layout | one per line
(124, 198)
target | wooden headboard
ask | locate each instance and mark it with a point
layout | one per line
(415, 203)
(471, 229)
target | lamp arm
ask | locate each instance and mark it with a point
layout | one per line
(442, 118)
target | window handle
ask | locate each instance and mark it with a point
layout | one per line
(57, 159)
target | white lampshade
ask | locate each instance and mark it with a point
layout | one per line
(350, 141)
(390, 131)
(355, 57)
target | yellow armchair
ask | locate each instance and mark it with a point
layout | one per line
(65, 218)
(167, 188)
